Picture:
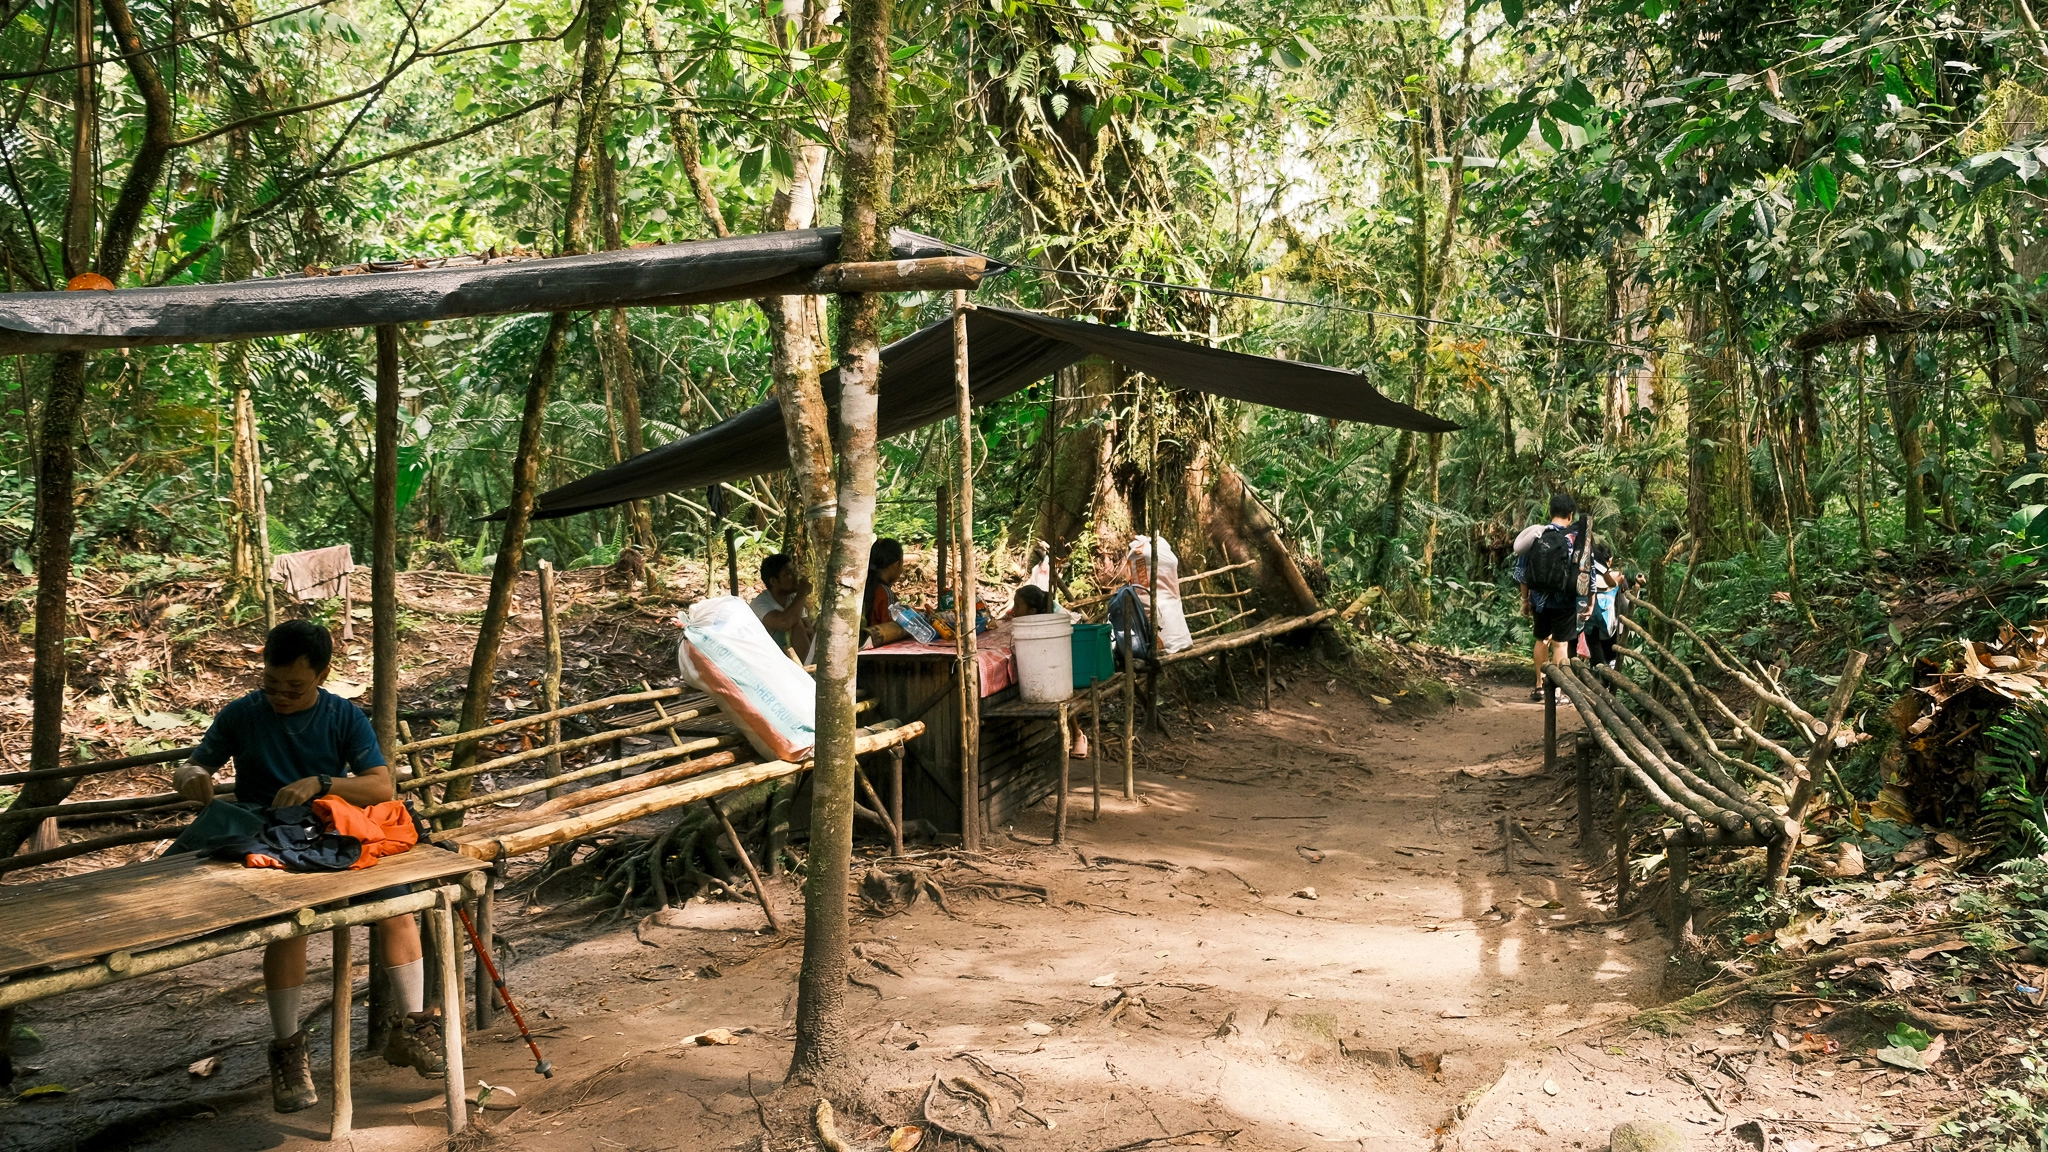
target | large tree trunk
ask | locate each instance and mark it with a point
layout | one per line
(384, 546)
(483, 665)
(615, 340)
(823, 1042)
(795, 333)
(1240, 528)
(56, 461)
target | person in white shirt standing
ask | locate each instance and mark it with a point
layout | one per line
(784, 605)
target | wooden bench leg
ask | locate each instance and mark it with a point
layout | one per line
(486, 993)
(1059, 820)
(442, 916)
(1266, 647)
(896, 797)
(1095, 750)
(341, 1117)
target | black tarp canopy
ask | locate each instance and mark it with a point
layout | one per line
(1007, 349)
(696, 272)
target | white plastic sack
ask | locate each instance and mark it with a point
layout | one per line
(1173, 619)
(727, 653)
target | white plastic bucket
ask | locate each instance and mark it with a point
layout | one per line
(1045, 657)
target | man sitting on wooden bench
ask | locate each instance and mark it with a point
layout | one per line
(293, 742)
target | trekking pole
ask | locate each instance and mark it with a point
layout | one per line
(540, 1063)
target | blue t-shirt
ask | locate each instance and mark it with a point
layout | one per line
(332, 738)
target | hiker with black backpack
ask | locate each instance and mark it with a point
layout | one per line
(1547, 568)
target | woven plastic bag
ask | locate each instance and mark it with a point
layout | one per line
(1173, 621)
(728, 654)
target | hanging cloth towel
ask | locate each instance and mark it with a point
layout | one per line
(321, 574)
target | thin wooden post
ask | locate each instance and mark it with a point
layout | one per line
(732, 559)
(896, 797)
(943, 535)
(1059, 820)
(384, 547)
(341, 1119)
(1267, 646)
(1095, 746)
(442, 916)
(381, 1006)
(1130, 722)
(1778, 858)
(964, 601)
(1549, 726)
(482, 984)
(740, 849)
(551, 678)
(1583, 761)
(1678, 861)
(1621, 846)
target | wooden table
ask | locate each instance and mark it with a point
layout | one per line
(1061, 712)
(115, 924)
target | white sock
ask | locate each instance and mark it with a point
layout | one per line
(284, 1011)
(409, 981)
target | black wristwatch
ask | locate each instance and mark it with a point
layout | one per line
(326, 786)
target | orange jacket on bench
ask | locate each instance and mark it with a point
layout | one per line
(385, 829)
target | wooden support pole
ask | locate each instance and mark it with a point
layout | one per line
(1267, 645)
(481, 983)
(943, 537)
(867, 789)
(1583, 761)
(443, 918)
(1095, 750)
(551, 676)
(384, 547)
(1549, 728)
(615, 738)
(964, 601)
(431, 742)
(1678, 861)
(1130, 722)
(896, 797)
(740, 849)
(1059, 820)
(732, 559)
(341, 1116)
(1620, 838)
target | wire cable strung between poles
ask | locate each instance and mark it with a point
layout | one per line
(1333, 306)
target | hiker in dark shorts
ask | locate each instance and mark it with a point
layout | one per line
(1546, 566)
(293, 742)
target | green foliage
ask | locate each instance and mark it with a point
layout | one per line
(2016, 792)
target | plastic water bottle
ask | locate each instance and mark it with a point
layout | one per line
(911, 622)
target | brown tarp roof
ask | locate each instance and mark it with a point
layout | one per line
(696, 272)
(1007, 349)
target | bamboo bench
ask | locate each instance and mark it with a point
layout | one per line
(1664, 751)
(87, 931)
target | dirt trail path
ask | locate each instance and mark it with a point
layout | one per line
(1180, 978)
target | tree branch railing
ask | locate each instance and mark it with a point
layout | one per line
(1664, 750)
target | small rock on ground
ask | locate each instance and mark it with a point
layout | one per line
(1645, 1136)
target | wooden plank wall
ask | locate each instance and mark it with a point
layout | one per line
(1019, 765)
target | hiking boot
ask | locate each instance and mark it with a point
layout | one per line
(416, 1043)
(291, 1074)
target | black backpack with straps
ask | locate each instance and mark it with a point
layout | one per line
(1552, 566)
